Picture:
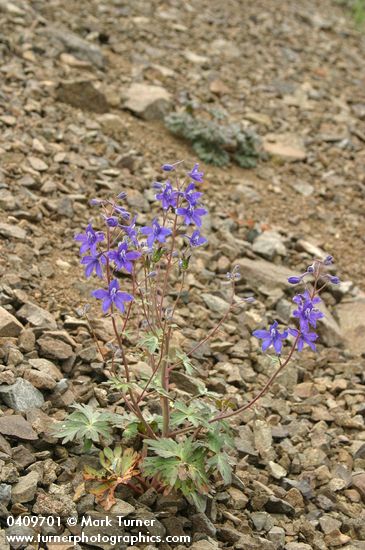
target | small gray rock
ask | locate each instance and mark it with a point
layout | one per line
(148, 102)
(24, 490)
(54, 348)
(82, 94)
(202, 524)
(9, 325)
(12, 231)
(5, 494)
(81, 48)
(269, 244)
(279, 506)
(16, 426)
(277, 536)
(215, 303)
(21, 396)
(36, 316)
(122, 508)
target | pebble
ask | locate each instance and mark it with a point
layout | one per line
(17, 426)
(148, 102)
(12, 231)
(269, 244)
(277, 471)
(287, 147)
(201, 524)
(214, 303)
(81, 48)
(24, 490)
(82, 94)
(351, 316)
(279, 506)
(54, 349)
(277, 536)
(21, 396)
(9, 325)
(37, 164)
(36, 316)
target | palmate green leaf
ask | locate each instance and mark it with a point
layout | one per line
(220, 462)
(185, 360)
(196, 414)
(165, 448)
(180, 465)
(151, 341)
(168, 469)
(86, 424)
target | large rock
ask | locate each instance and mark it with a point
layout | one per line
(36, 316)
(21, 396)
(148, 102)
(259, 273)
(54, 348)
(16, 426)
(12, 231)
(81, 48)
(330, 333)
(24, 490)
(83, 95)
(287, 147)
(46, 367)
(269, 244)
(9, 325)
(215, 303)
(352, 323)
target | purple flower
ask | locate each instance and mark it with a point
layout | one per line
(111, 221)
(307, 312)
(271, 337)
(167, 196)
(304, 338)
(195, 174)
(123, 257)
(155, 233)
(191, 195)
(196, 239)
(131, 232)
(89, 239)
(93, 263)
(192, 214)
(112, 296)
(334, 280)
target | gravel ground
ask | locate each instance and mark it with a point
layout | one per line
(74, 126)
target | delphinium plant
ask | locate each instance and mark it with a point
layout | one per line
(142, 272)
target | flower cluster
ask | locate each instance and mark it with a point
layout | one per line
(306, 313)
(121, 245)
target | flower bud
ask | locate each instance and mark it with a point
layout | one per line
(294, 280)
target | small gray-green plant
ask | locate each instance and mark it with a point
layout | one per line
(182, 442)
(213, 141)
